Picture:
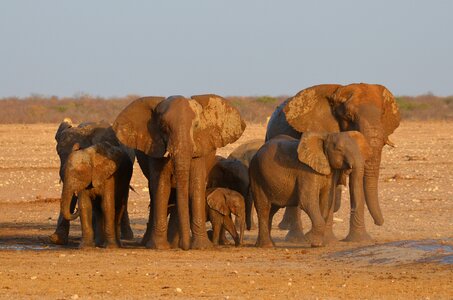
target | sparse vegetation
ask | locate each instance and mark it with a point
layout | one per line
(82, 107)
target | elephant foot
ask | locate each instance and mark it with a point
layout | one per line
(329, 237)
(224, 241)
(201, 243)
(158, 244)
(317, 241)
(85, 245)
(357, 236)
(112, 246)
(58, 238)
(295, 236)
(146, 236)
(127, 233)
(261, 243)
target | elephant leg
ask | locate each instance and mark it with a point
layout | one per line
(125, 226)
(229, 226)
(108, 210)
(272, 212)
(61, 234)
(86, 219)
(161, 186)
(318, 223)
(327, 204)
(338, 194)
(223, 240)
(263, 207)
(288, 217)
(357, 231)
(216, 221)
(197, 196)
(295, 233)
(149, 225)
(173, 228)
(98, 223)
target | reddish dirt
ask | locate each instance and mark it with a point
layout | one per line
(416, 197)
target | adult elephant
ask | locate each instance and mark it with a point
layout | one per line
(84, 135)
(368, 108)
(179, 137)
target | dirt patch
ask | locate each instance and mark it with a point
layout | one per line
(416, 197)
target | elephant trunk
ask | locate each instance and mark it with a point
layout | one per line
(182, 173)
(375, 138)
(65, 204)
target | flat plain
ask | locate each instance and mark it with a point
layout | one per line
(411, 255)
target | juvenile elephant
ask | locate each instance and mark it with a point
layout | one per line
(234, 175)
(179, 137)
(84, 135)
(304, 173)
(368, 108)
(99, 176)
(221, 203)
(246, 151)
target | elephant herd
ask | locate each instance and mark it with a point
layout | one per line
(314, 141)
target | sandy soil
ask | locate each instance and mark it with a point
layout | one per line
(411, 256)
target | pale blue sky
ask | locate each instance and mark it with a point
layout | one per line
(234, 47)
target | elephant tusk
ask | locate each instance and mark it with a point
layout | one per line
(390, 143)
(167, 154)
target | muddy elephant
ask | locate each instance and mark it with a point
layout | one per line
(179, 137)
(304, 173)
(368, 108)
(99, 176)
(221, 203)
(234, 175)
(85, 135)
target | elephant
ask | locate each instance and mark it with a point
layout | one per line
(85, 135)
(368, 108)
(246, 151)
(234, 175)
(304, 173)
(221, 203)
(179, 137)
(99, 176)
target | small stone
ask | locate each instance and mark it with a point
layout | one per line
(252, 281)
(290, 283)
(178, 290)
(33, 277)
(75, 296)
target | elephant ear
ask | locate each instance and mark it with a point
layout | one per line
(391, 114)
(105, 160)
(362, 143)
(79, 169)
(135, 127)
(310, 151)
(216, 123)
(306, 110)
(216, 200)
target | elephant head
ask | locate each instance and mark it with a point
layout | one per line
(368, 108)
(84, 135)
(226, 202)
(346, 151)
(88, 168)
(181, 129)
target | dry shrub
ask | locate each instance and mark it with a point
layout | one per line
(40, 109)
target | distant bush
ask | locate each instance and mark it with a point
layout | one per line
(83, 107)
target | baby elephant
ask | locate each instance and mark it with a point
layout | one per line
(288, 172)
(221, 203)
(99, 176)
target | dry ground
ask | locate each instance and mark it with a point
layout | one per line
(416, 197)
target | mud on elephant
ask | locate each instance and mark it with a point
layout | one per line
(304, 173)
(368, 108)
(99, 177)
(84, 135)
(179, 137)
